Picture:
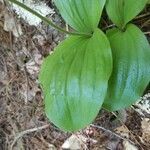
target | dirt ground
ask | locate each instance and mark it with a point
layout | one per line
(23, 124)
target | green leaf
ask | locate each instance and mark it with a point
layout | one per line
(123, 11)
(82, 15)
(74, 80)
(131, 67)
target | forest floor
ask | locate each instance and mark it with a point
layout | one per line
(23, 124)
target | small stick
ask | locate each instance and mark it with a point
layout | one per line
(113, 133)
(21, 134)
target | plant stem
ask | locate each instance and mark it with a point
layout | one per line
(46, 20)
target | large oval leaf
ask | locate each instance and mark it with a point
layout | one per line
(74, 80)
(131, 67)
(123, 11)
(82, 15)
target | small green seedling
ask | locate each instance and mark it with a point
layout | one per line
(90, 70)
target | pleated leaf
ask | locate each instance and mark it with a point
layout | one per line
(123, 11)
(82, 15)
(131, 67)
(74, 80)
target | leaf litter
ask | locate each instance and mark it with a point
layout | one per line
(24, 42)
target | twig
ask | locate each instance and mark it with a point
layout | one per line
(109, 26)
(21, 134)
(15, 129)
(27, 84)
(128, 130)
(142, 16)
(148, 32)
(113, 133)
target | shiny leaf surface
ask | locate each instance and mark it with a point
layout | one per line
(123, 11)
(74, 80)
(131, 67)
(82, 15)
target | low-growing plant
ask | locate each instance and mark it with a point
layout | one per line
(90, 70)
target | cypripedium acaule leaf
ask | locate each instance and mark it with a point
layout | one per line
(123, 11)
(131, 67)
(74, 80)
(82, 15)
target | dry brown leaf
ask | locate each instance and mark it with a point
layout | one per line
(2, 1)
(27, 93)
(75, 142)
(122, 131)
(10, 25)
(128, 146)
(143, 105)
(146, 130)
(33, 65)
(38, 6)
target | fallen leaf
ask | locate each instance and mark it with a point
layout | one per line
(27, 93)
(51, 147)
(11, 25)
(143, 105)
(75, 142)
(2, 1)
(33, 65)
(122, 131)
(38, 6)
(129, 146)
(146, 130)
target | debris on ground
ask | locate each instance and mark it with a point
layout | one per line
(24, 42)
(38, 6)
